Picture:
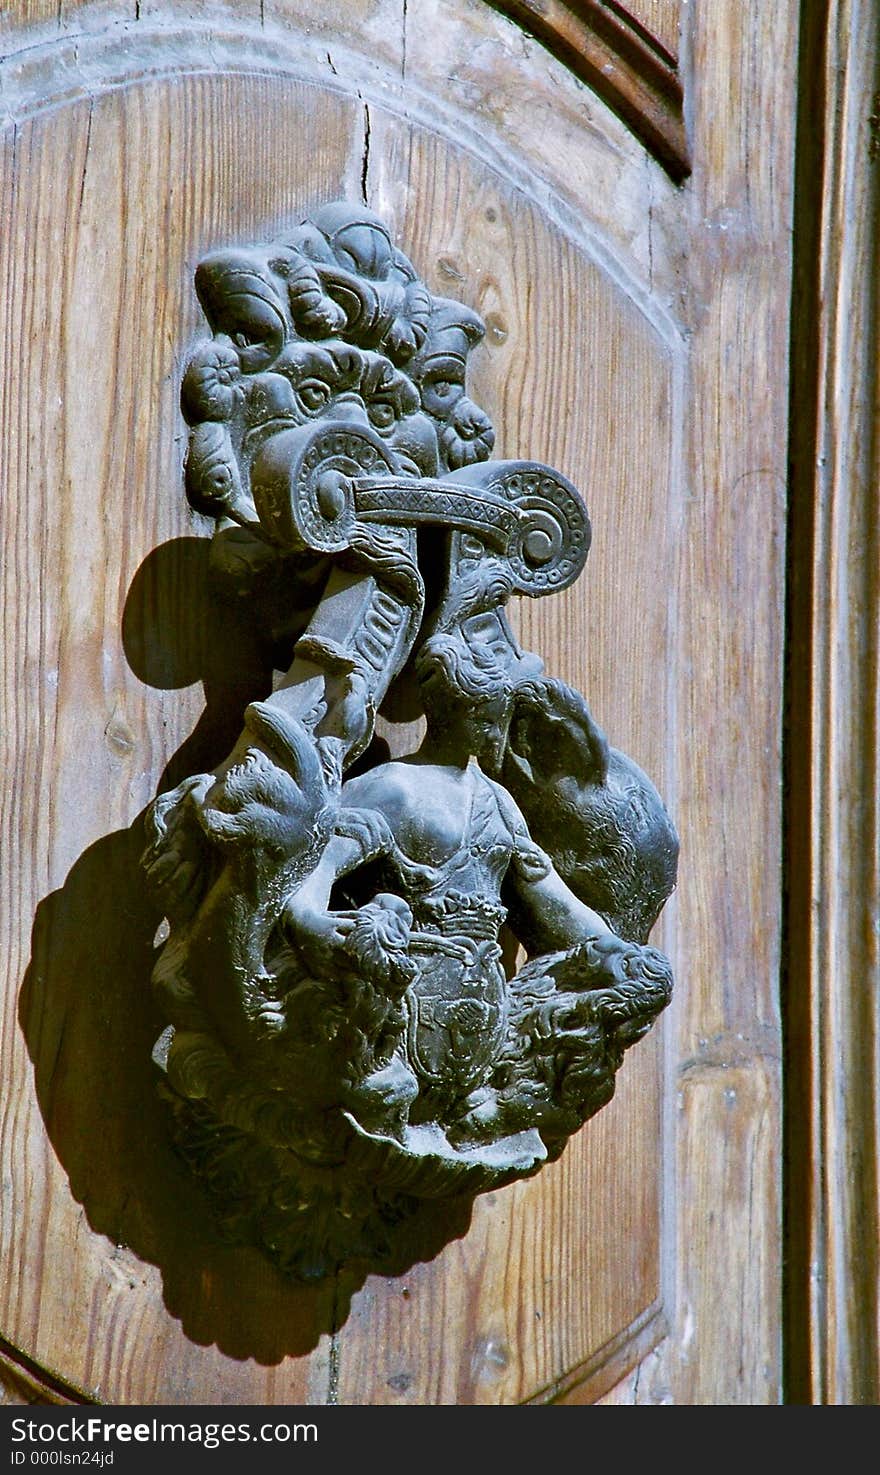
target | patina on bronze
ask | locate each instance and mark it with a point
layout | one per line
(344, 1039)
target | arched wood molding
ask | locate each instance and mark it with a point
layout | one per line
(619, 58)
(25, 1380)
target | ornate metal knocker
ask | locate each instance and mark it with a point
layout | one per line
(347, 1032)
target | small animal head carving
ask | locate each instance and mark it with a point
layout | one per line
(466, 433)
(273, 799)
(591, 807)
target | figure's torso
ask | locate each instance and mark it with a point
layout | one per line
(449, 825)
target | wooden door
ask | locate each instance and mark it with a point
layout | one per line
(611, 189)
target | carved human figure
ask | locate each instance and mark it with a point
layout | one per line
(437, 842)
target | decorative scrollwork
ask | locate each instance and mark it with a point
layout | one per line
(345, 1034)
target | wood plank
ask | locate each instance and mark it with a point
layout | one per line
(733, 1359)
(730, 1225)
(724, 1341)
(66, 1103)
(833, 820)
(729, 665)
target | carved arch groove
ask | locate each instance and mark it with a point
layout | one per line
(622, 61)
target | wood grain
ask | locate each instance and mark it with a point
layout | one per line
(833, 809)
(627, 53)
(123, 701)
(621, 62)
(637, 339)
(662, 19)
(726, 1042)
(729, 663)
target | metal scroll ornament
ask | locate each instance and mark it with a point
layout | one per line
(347, 1032)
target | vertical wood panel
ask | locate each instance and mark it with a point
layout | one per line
(833, 1025)
(729, 667)
(724, 1345)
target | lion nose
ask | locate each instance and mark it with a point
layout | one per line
(348, 408)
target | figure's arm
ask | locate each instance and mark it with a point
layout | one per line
(360, 836)
(545, 914)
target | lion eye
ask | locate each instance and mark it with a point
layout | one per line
(381, 413)
(313, 395)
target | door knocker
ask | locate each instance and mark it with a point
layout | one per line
(386, 979)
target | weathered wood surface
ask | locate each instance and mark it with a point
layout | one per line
(661, 19)
(832, 993)
(516, 1321)
(620, 60)
(724, 1345)
(662, 394)
(729, 664)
